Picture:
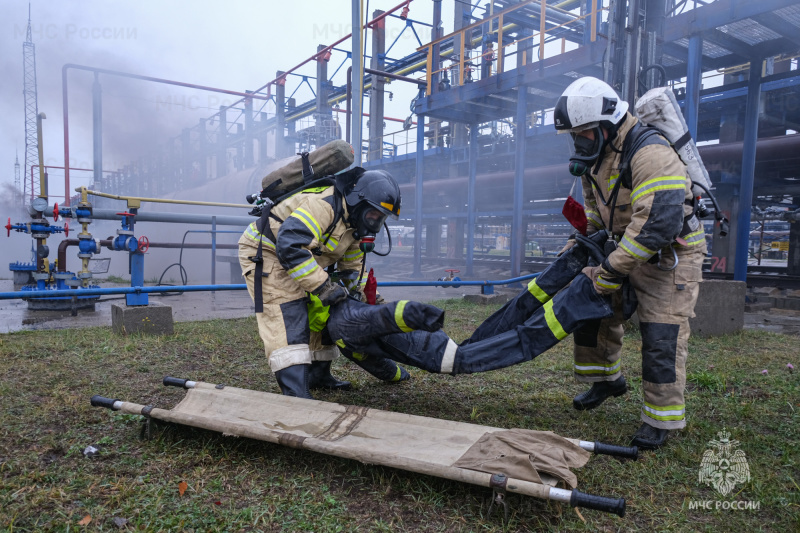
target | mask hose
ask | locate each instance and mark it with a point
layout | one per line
(389, 236)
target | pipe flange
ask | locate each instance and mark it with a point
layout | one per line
(85, 221)
(63, 275)
(84, 236)
(124, 232)
(84, 275)
(40, 276)
(40, 235)
(85, 256)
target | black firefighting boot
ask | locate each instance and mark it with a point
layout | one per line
(600, 392)
(648, 437)
(293, 381)
(319, 377)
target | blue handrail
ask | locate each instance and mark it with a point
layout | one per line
(234, 287)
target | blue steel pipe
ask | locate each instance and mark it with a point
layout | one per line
(235, 287)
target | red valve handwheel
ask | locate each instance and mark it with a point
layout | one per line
(55, 213)
(8, 227)
(66, 228)
(144, 244)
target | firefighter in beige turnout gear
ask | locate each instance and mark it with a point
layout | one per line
(661, 245)
(301, 241)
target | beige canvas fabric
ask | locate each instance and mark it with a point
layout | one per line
(415, 443)
(523, 454)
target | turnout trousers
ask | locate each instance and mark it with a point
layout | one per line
(666, 302)
(283, 325)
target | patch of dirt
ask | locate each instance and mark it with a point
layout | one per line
(52, 455)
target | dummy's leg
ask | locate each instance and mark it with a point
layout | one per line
(538, 292)
(382, 368)
(436, 352)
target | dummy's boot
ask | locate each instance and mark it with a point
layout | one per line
(293, 381)
(319, 377)
(600, 392)
(648, 437)
(381, 368)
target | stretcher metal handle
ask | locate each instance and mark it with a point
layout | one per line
(628, 452)
(169, 381)
(102, 401)
(600, 503)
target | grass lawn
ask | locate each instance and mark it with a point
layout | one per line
(232, 484)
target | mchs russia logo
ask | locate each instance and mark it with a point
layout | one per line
(723, 465)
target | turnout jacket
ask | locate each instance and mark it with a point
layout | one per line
(297, 242)
(649, 214)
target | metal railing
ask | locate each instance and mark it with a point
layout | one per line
(464, 64)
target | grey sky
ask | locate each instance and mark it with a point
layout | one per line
(233, 45)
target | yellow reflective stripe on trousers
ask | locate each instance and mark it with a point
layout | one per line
(340, 343)
(398, 316)
(397, 375)
(537, 291)
(635, 249)
(252, 233)
(552, 321)
(607, 369)
(658, 184)
(303, 269)
(667, 412)
(306, 218)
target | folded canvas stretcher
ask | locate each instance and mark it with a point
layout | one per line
(527, 462)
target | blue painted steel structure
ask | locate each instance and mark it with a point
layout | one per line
(748, 172)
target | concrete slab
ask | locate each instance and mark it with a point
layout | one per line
(153, 319)
(719, 309)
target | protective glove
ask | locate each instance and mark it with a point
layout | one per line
(604, 282)
(330, 293)
(570, 243)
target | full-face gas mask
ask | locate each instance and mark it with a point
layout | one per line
(586, 151)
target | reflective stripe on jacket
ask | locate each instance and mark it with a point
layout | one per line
(306, 216)
(649, 215)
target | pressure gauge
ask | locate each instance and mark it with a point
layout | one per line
(39, 203)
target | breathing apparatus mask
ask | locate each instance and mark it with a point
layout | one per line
(586, 151)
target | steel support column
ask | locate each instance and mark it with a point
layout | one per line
(748, 170)
(376, 105)
(517, 227)
(358, 89)
(322, 116)
(249, 126)
(280, 116)
(471, 207)
(222, 142)
(97, 131)
(693, 83)
(418, 197)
